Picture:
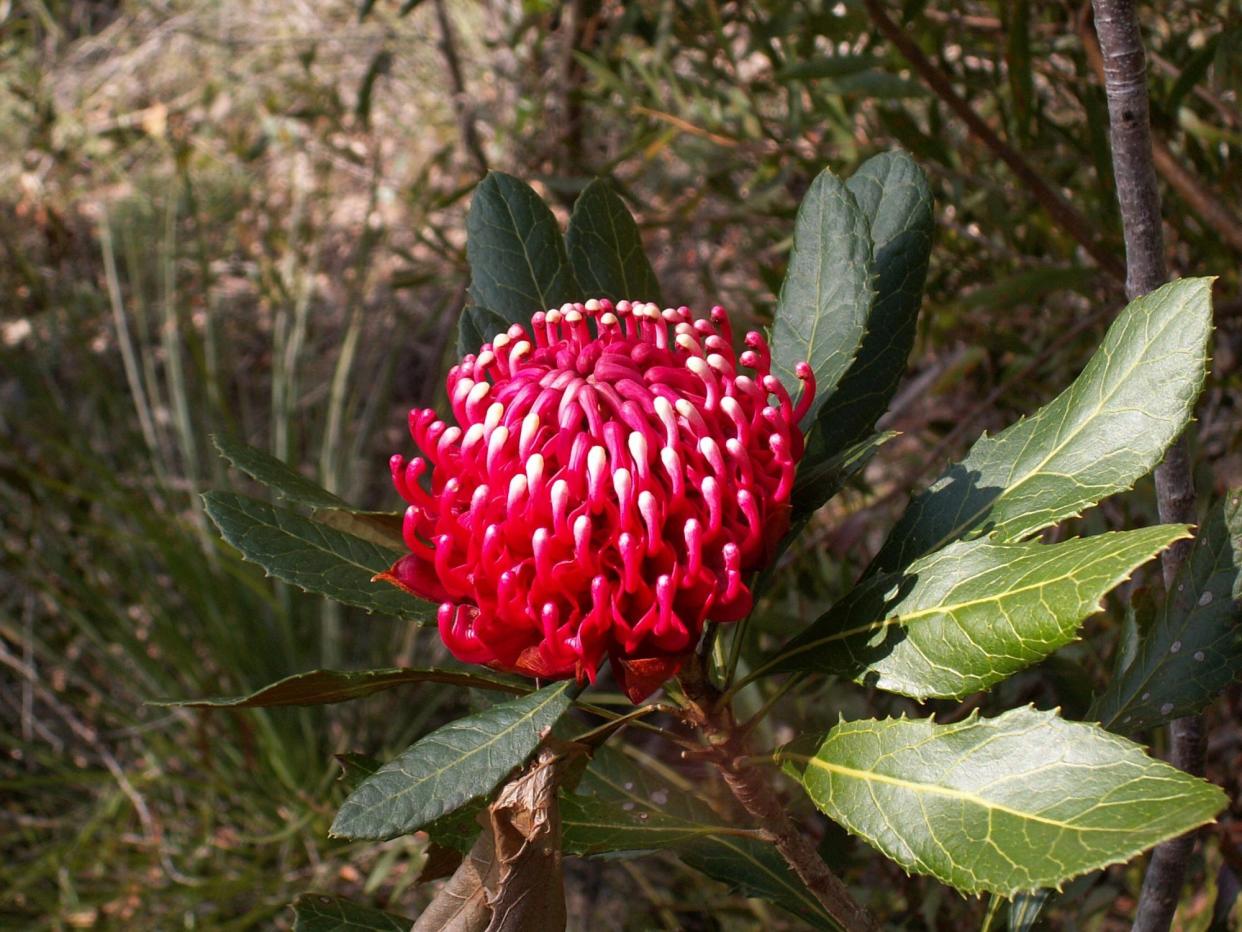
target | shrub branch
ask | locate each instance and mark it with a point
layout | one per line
(1125, 84)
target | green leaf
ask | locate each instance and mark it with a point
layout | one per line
(593, 826)
(827, 66)
(1018, 60)
(1109, 428)
(1024, 909)
(311, 556)
(314, 912)
(1009, 804)
(450, 766)
(1192, 73)
(755, 869)
(817, 483)
(827, 292)
(893, 194)
(382, 528)
(478, 325)
(517, 258)
(622, 805)
(970, 615)
(271, 472)
(323, 687)
(606, 250)
(1193, 648)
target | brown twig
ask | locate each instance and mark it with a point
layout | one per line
(1125, 84)
(727, 749)
(462, 107)
(1066, 216)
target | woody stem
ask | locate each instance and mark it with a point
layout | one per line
(750, 787)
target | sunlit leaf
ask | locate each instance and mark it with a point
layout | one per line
(970, 615)
(1109, 428)
(1009, 804)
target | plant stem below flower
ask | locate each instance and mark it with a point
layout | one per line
(750, 787)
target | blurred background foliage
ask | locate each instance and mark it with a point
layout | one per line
(248, 217)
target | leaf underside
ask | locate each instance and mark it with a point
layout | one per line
(323, 687)
(315, 912)
(624, 806)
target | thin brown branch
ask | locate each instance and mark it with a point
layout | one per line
(1134, 167)
(727, 749)
(1065, 215)
(462, 107)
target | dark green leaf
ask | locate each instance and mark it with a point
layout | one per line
(875, 84)
(1009, 804)
(452, 765)
(1024, 909)
(677, 818)
(1196, 70)
(970, 615)
(311, 556)
(457, 830)
(833, 66)
(893, 194)
(1109, 428)
(314, 912)
(755, 869)
(817, 483)
(1018, 60)
(476, 326)
(271, 472)
(621, 806)
(517, 257)
(597, 826)
(379, 527)
(1193, 648)
(606, 250)
(322, 687)
(1028, 286)
(827, 292)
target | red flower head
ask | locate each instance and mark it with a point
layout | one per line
(612, 481)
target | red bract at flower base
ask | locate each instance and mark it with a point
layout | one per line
(613, 481)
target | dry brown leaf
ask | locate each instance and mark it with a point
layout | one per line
(512, 879)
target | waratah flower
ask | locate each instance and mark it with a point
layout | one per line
(611, 482)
